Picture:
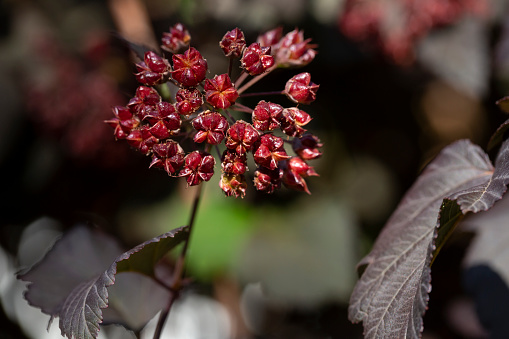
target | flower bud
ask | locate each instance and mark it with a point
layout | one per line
(231, 162)
(190, 68)
(306, 147)
(300, 89)
(256, 60)
(164, 121)
(241, 137)
(188, 100)
(123, 123)
(220, 92)
(295, 170)
(270, 38)
(177, 39)
(267, 180)
(142, 139)
(153, 70)
(199, 166)
(144, 101)
(269, 151)
(292, 121)
(168, 156)
(233, 184)
(211, 127)
(233, 43)
(267, 116)
(294, 50)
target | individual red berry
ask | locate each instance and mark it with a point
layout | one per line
(233, 43)
(269, 150)
(168, 156)
(188, 100)
(142, 139)
(295, 170)
(164, 120)
(220, 92)
(123, 122)
(267, 180)
(199, 166)
(153, 70)
(300, 89)
(267, 116)
(144, 101)
(294, 50)
(190, 68)
(233, 184)
(270, 38)
(292, 121)
(306, 147)
(241, 137)
(256, 60)
(231, 162)
(177, 39)
(211, 127)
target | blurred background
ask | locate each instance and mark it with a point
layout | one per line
(398, 79)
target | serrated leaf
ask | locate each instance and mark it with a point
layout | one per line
(489, 246)
(392, 294)
(78, 299)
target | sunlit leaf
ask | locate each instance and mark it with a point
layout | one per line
(392, 294)
(71, 281)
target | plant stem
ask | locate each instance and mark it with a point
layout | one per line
(230, 67)
(242, 108)
(261, 93)
(243, 75)
(255, 80)
(178, 273)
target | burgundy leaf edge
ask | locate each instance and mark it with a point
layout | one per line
(80, 295)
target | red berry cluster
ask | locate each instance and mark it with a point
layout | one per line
(201, 107)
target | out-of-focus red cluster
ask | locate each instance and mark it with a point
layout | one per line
(396, 25)
(200, 109)
(70, 97)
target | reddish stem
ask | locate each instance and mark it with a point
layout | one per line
(254, 80)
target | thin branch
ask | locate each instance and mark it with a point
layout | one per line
(241, 108)
(243, 75)
(255, 80)
(230, 67)
(178, 273)
(261, 93)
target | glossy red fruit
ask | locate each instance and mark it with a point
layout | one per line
(168, 156)
(177, 39)
(188, 100)
(269, 151)
(241, 137)
(300, 89)
(267, 116)
(220, 92)
(190, 68)
(233, 43)
(211, 127)
(256, 59)
(199, 166)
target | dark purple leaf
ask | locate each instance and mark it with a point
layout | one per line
(72, 279)
(392, 294)
(503, 104)
(499, 135)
